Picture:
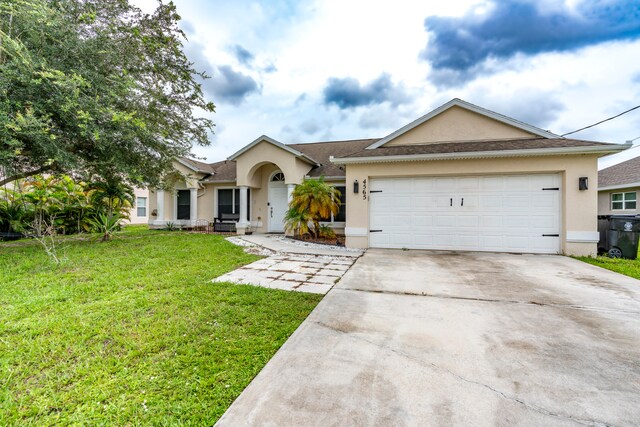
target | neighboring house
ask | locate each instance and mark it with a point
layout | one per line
(458, 178)
(618, 188)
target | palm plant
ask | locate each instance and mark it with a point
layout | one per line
(105, 225)
(14, 211)
(317, 200)
(112, 196)
(297, 222)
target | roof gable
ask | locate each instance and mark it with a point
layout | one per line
(476, 123)
(265, 138)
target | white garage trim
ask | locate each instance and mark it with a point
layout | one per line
(497, 213)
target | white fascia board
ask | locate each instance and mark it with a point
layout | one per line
(277, 144)
(456, 102)
(599, 149)
(228, 181)
(620, 186)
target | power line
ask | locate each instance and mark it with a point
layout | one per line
(602, 121)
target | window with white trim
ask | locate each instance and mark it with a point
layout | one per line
(623, 201)
(229, 200)
(141, 206)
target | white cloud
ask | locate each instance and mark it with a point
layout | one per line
(310, 42)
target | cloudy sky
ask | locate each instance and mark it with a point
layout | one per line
(316, 70)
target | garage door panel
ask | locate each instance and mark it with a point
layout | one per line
(422, 220)
(492, 183)
(465, 221)
(469, 183)
(499, 213)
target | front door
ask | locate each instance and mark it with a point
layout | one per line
(278, 203)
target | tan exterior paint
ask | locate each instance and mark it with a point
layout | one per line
(264, 153)
(458, 124)
(133, 213)
(604, 202)
(579, 208)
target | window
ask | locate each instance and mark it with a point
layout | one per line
(277, 177)
(184, 204)
(141, 206)
(229, 200)
(622, 201)
(341, 216)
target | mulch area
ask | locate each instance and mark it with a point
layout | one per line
(337, 241)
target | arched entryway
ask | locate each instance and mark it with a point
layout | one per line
(278, 202)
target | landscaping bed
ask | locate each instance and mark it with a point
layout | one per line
(133, 332)
(335, 241)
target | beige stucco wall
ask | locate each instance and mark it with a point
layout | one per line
(265, 153)
(133, 213)
(579, 208)
(458, 124)
(604, 202)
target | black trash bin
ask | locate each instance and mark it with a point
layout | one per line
(622, 236)
(603, 230)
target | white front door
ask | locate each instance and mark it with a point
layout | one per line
(278, 203)
(498, 213)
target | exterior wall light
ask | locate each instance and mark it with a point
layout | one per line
(583, 183)
(356, 186)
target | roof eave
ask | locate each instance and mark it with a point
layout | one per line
(222, 181)
(456, 102)
(600, 149)
(619, 186)
(193, 168)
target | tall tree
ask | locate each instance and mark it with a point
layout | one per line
(96, 86)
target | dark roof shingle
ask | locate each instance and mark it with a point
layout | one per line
(623, 173)
(321, 151)
(476, 146)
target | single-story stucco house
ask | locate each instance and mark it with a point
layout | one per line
(458, 178)
(618, 188)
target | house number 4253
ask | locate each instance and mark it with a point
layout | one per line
(364, 189)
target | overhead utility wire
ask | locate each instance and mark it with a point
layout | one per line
(602, 121)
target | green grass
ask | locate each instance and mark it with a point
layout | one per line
(628, 267)
(133, 332)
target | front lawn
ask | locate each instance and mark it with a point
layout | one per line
(629, 267)
(133, 332)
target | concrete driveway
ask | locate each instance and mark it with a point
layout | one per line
(428, 338)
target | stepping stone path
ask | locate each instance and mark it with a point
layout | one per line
(292, 272)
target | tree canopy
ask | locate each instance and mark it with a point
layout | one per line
(98, 87)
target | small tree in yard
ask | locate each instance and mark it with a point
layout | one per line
(314, 200)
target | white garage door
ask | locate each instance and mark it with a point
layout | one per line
(502, 213)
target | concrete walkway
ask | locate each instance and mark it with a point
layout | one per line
(413, 338)
(292, 265)
(281, 244)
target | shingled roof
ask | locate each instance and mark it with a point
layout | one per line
(491, 147)
(322, 151)
(625, 173)
(225, 171)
